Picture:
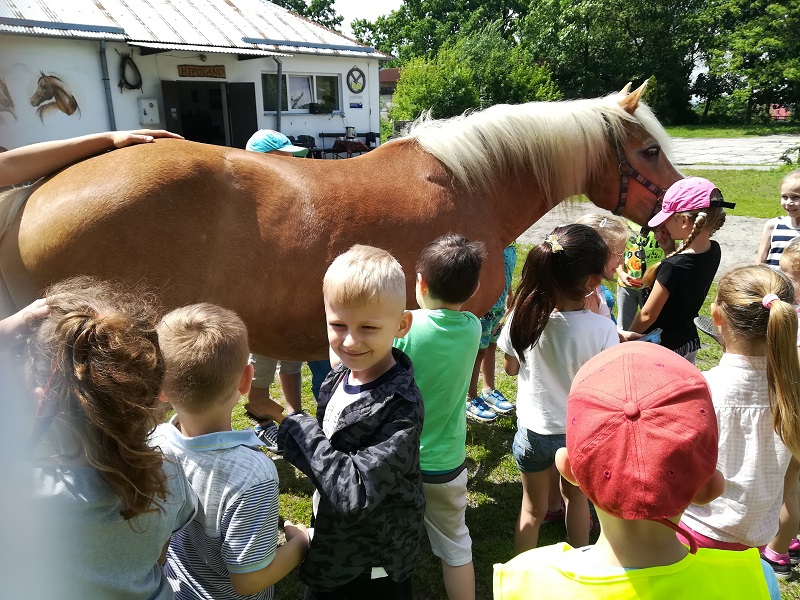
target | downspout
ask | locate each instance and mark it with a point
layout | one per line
(280, 93)
(112, 123)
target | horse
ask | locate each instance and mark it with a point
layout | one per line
(255, 233)
(50, 87)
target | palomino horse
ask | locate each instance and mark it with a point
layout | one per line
(256, 232)
(50, 87)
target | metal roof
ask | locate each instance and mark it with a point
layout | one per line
(216, 25)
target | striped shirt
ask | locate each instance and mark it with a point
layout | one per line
(781, 236)
(236, 527)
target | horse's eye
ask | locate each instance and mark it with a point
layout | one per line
(654, 151)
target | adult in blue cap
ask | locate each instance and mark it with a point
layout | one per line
(269, 141)
(274, 142)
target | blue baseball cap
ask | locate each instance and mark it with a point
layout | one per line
(267, 140)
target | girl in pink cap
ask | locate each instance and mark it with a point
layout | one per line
(692, 211)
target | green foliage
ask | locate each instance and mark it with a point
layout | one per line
(443, 86)
(319, 11)
(751, 49)
(474, 71)
(759, 46)
(386, 130)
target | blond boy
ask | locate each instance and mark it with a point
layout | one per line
(361, 451)
(230, 549)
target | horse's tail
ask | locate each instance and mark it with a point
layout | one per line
(11, 202)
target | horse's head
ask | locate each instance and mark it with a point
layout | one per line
(44, 90)
(638, 171)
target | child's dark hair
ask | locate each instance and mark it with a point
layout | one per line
(758, 305)
(451, 266)
(557, 268)
(96, 355)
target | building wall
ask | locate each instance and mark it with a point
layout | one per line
(77, 64)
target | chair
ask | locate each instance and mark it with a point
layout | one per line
(370, 138)
(308, 141)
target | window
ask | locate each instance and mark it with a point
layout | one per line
(301, 90)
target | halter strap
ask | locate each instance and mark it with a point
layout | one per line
(626, 170)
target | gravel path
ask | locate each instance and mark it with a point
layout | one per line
(738, 238)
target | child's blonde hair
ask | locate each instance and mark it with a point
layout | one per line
(362, 275)
(790, 176)
(96, 356)
(205, 351)
(612, 229)
(742, 296)
(712, 217)
(793, 247)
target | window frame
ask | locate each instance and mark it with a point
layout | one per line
(312, 78)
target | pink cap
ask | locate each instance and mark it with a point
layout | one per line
(692, 193)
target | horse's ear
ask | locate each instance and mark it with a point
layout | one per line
(631, 102)
(626, 90)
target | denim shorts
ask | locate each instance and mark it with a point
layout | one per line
(535, 452)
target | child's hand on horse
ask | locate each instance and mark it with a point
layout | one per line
(140, 136)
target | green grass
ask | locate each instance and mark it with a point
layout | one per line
(733, 131)
(494, 493)
(756, 193)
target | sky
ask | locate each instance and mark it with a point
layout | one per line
(361, 9)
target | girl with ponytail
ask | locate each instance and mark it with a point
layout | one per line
(548, 336)
(756, 395)
(692, 211)
(96, 369)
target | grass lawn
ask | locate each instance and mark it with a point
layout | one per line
(494, 489)
(756, 193)
(733, 131)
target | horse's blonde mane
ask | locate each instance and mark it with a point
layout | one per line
(562, 144)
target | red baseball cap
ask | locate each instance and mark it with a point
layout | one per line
(642, 434)
(691, 193)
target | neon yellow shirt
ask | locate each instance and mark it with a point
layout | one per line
(558, 572)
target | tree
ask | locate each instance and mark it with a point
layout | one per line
(595, 46)
(319, 11)
(474, 71)
(760, 48)
(420, 27)
(443, 86)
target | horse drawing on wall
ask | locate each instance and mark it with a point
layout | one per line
(51, 88)
(6, 103)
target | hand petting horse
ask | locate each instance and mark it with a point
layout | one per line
(256, 232)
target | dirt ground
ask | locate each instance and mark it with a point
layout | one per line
(738, 238)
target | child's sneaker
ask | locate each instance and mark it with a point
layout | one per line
(782, 567)
(497, 402)
(794, 551)
(479, 411)
(268, 434)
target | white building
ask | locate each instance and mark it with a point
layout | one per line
(212, 70)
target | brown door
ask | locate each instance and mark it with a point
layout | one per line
(242, 114)
(170, 95)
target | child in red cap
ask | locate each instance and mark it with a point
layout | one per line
(692, 211)
(641, 444)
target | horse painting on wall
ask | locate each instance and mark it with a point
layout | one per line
(6, 103)
(53, 94)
